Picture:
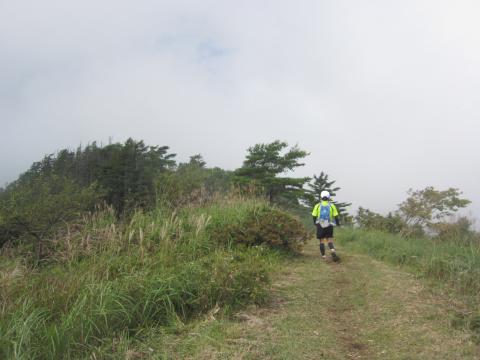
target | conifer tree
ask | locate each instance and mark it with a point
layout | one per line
(265, 163)
(320, 183)
(125, 173)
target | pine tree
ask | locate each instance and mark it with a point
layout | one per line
(321, 183)
(125, 173)
(263, 166)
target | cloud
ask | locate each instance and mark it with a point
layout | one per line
(382, 93)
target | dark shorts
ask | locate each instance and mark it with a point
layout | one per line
(324, 233)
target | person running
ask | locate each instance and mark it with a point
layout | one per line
(325, 216)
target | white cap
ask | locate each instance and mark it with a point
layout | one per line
(325, 194)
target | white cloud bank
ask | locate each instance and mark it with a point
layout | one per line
(384, 94)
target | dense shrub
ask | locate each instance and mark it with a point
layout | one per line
(263, 225)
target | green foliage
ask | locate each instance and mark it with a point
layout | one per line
(320, 183)
(126, 172)
(424, 211)
(129, 172)
(191, 182)
(263, 166)
(35, 210)
(264, 225)
(392, 223)
(108, 279)
(429, 206)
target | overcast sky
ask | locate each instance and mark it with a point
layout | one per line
(384, 94)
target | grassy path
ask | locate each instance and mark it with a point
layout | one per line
(357, 309)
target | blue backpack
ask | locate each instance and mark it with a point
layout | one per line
(324, 216)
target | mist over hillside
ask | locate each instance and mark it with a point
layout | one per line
(383, 97)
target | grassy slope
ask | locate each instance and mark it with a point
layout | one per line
(360, 308)
(185, 268)
(451, 266)
(107, 285)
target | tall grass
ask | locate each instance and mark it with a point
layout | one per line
(107, 281)
(453, 262)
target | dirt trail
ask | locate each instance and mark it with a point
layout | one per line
(357, 309)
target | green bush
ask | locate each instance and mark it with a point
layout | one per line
(263, 225)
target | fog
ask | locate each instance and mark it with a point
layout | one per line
(383, 94)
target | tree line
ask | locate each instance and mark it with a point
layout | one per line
(132, 175)
(425, 212)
